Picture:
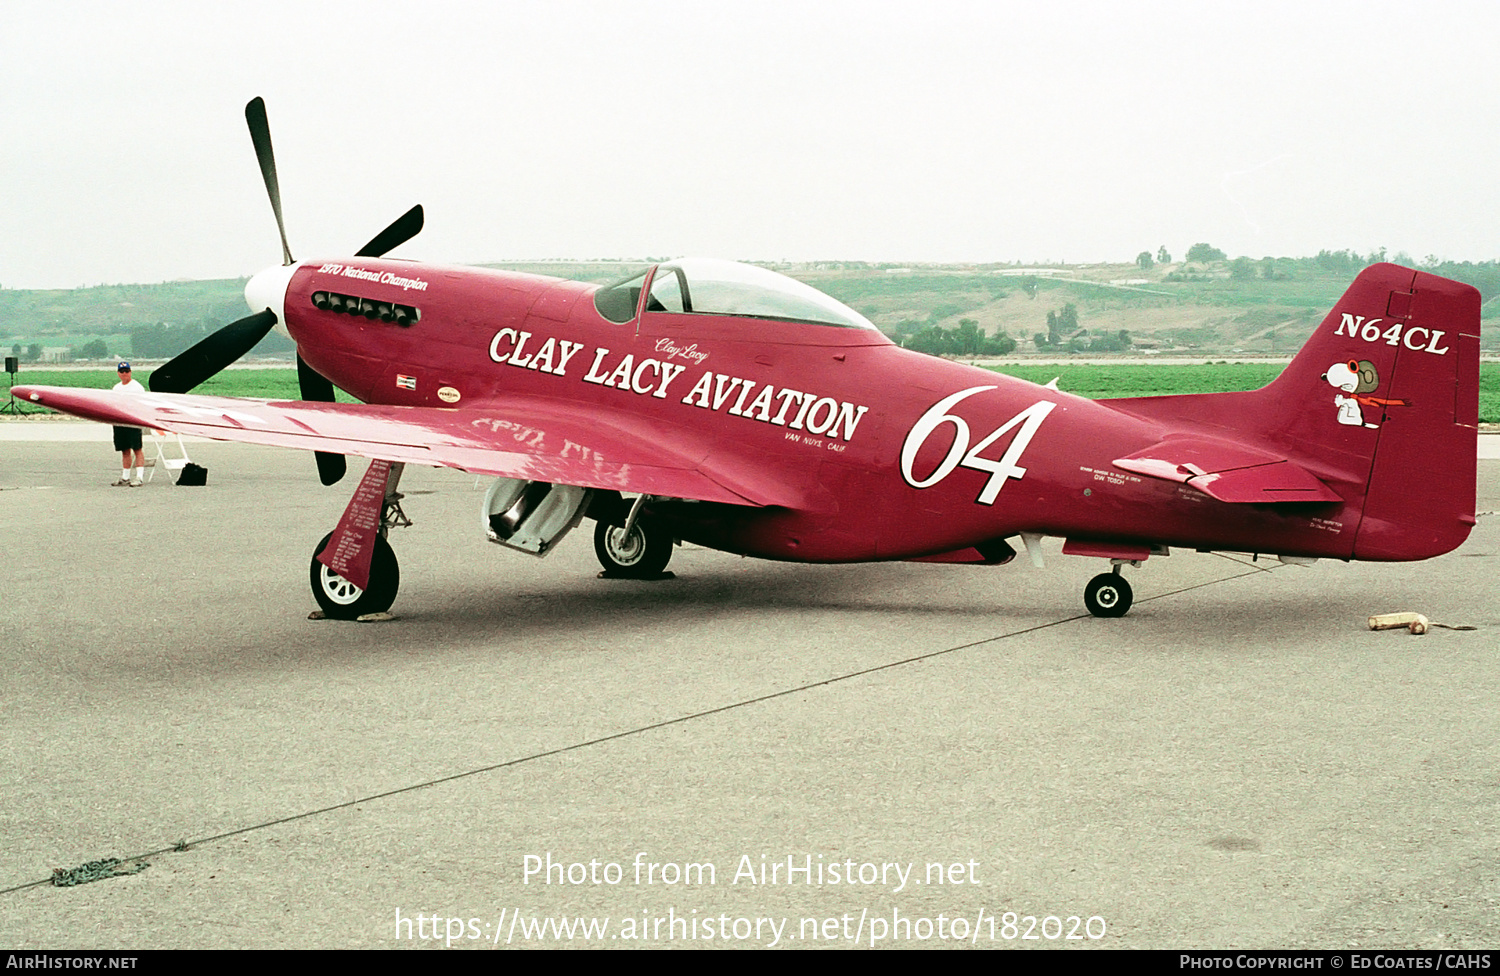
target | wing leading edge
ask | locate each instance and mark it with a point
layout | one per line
(515, 438)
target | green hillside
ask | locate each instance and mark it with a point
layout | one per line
(1214, 307)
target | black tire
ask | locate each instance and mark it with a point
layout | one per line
(643, 555)
(341, 599)
(1108, 595)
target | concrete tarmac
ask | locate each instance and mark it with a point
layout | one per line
(752, 754)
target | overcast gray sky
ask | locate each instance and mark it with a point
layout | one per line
(818, 130)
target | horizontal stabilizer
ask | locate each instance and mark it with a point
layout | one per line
(1228, 471)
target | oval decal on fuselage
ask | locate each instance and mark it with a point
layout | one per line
(448, 394)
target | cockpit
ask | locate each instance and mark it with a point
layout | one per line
(707, 286)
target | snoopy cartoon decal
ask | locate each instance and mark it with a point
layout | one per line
(1355, 380)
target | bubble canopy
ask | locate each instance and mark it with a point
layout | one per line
(709, 286)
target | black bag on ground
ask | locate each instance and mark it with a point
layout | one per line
(193, 474)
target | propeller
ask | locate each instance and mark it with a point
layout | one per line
(318, 388)
(401, 230)
(260, 134)
(203, 360)
(219, 350)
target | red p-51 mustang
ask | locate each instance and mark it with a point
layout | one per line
(732, 407)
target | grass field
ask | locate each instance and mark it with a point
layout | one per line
(270, 384)
(1099, 382)
(1092, 381)
(1096, 382)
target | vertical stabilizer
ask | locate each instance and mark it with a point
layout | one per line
(1386, 392)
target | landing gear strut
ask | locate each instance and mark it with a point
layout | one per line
(373, 511)
(1108, 595)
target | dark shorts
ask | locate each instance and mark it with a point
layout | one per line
(127, 438)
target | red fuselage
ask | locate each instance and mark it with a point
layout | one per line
(852, 425)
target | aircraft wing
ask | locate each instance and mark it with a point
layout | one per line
(1228, 471)
(537, 440)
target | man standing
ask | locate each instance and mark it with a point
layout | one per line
(128, 439)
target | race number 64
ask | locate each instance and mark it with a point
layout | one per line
(959, 453)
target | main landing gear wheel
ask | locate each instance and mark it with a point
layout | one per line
(341, 599)
(643, 554)
(1108, 595)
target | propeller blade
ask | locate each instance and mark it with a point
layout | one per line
(331, 467)
(317, 388)
(203, 360)
(401, 230)
(314, 385)
(260, 134)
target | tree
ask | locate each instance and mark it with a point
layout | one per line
(1204, 252)
(1162, 257)
(969, 337)
(1067, 319)
(93, 350)
(907, 328)
(1242, 269)
(1060, 325)
(1143, 260)
(999, 344)
(935, 341)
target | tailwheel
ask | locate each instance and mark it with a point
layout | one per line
(641, 553)
(1108, 595)
(341, 599)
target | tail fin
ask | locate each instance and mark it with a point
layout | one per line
(1386, 393)
(1381, 405)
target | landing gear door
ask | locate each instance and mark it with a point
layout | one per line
(532, 516)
